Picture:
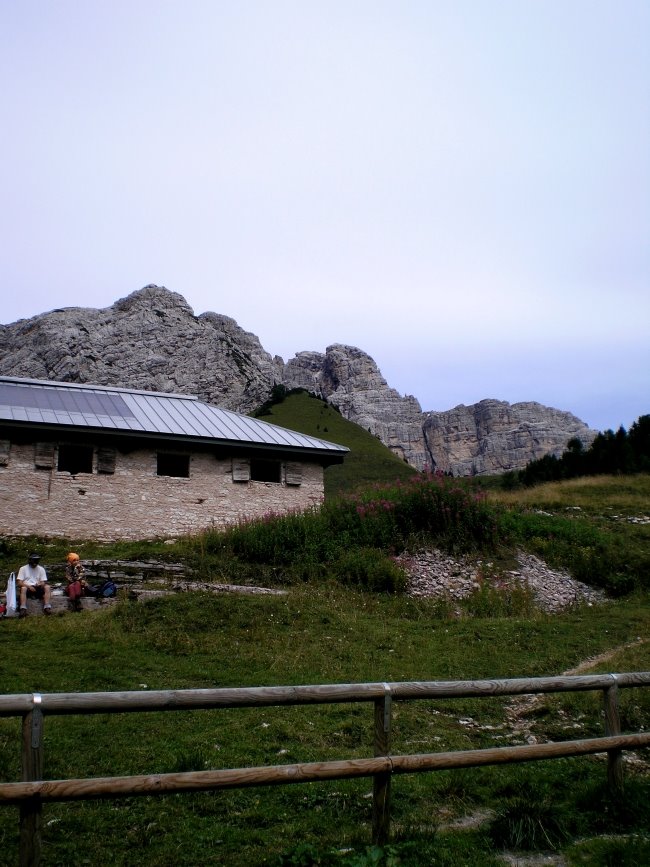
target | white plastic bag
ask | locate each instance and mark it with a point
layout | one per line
(11, 594)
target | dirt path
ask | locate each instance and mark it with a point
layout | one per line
(517, 712)
(518, 708)
(584, 666)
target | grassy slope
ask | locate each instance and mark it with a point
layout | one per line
(615, 509)
(322, 634)
(599, 496)
(369, 460)
(311, 635)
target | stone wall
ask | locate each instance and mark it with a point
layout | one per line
(136, 503)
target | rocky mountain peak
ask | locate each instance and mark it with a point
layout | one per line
(154, 298)
(151, 339)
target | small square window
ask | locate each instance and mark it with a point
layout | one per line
(265, 470)
(75, 459)
(177, 466)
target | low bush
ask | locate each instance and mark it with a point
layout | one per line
(488, 601)
(337, 539)
(369, 569)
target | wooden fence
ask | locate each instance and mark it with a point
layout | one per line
(32, 792)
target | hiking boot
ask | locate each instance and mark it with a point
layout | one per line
(22, 612)
(47, 609)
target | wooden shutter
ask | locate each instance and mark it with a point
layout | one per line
(5, 445)
(293, 473)
(106, 460)
(44, 455)
(241, 470)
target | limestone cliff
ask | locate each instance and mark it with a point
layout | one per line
(149, 340)
(493, 436)
(152, 340)
(349, 379)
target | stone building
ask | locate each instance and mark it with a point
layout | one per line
(86, 461)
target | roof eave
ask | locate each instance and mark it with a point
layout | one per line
(330, 455)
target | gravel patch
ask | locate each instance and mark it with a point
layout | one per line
(433, 573)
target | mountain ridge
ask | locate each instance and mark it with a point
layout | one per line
(151, 339)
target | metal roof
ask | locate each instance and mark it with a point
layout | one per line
(143, 413)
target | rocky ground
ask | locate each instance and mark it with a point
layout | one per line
(434, 573)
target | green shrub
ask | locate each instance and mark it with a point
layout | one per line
(369, 569)
(489, 601)
(530, 823)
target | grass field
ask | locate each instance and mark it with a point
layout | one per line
(321, 631)
(311, 635)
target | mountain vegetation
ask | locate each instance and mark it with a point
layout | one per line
(623, 452)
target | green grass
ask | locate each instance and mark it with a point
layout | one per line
(327, 630)
(325, 634)
(598, 495)
(368, 462)
(589, 526)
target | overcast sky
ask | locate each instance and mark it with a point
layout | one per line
(461, 188)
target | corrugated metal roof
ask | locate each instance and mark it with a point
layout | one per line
(145, 413)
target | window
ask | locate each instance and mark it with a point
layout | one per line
(256, 470)
(177, 466)
(75, 459)
(265, 470)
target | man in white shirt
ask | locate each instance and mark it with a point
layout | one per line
(31, 581)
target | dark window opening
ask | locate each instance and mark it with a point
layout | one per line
(265, 471)
(75, 459)
(173, 465)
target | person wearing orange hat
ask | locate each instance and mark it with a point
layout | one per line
(74, 576)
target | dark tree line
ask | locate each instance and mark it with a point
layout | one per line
(623, 452)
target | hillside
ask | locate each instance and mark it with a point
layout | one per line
(369, 460)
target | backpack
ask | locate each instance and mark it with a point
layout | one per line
(107, 589)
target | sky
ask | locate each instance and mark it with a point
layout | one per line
(460, 188)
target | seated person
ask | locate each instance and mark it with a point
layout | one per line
(31, 582)
(76, 586)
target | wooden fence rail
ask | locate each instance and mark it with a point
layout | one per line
(32, 792)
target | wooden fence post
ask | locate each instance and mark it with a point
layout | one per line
(381, 781)
(613, 727)
(32, 769)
